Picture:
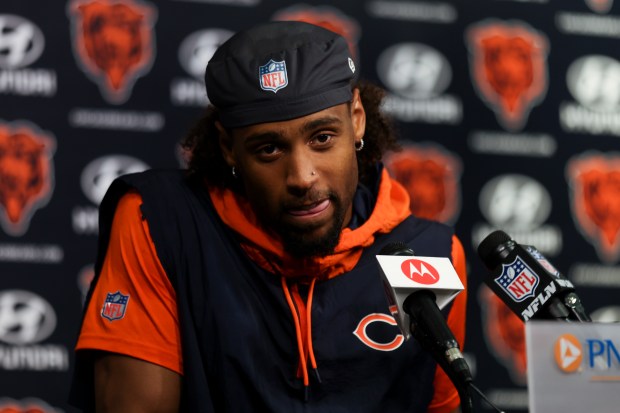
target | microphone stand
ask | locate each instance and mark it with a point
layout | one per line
(447, 354)
(461, 378)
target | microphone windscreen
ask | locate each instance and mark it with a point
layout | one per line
(396, 248)
(489, 250)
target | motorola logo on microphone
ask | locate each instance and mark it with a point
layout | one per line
(420, 272)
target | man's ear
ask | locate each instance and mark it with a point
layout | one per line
(358, 116)
(225, 141)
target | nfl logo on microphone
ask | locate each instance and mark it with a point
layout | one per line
(518, 280)
(273, 76)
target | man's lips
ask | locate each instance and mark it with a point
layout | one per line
(310, 209)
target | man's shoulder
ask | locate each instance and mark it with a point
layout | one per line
(426, 237)
(422, 226)
(155, 176)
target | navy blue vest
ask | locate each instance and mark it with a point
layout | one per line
(238, 336)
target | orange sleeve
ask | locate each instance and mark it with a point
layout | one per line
(446, 398)
(146, 325)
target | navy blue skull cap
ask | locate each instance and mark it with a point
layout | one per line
(279, 71)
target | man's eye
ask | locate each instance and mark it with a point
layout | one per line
(267, 150)
(322, 139)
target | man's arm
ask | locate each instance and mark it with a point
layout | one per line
(126, 384)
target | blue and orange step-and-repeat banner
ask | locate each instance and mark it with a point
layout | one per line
(508, 112)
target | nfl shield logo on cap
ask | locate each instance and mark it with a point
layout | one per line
(114, 306)
(273, 76)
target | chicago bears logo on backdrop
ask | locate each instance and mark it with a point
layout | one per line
(432, 178)
(504, 333)
(509, 68)
(26, 174)
(113, 42)
(327, 17)
(27, 405)
(594, 180)
(600, 6)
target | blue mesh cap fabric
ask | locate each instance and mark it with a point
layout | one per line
(279, 71)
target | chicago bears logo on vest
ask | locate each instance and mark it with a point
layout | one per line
(365, 336)
(594, 180)
(273, 76)
(26, 174)
(113, 43)
(509, 68)
(114, 306)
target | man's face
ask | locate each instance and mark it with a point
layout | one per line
(300, 175)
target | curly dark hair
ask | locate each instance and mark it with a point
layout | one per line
(206, 160)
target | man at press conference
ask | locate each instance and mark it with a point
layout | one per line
(248, 282)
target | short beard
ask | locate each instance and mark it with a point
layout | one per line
(299, 245)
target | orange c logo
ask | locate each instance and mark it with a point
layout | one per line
(568, 353)
(360, 332)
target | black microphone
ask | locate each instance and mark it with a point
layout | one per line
(428, 324)
(527, 282)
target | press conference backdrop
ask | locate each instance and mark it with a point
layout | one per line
(508, 111)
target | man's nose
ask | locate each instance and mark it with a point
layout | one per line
(301, 173)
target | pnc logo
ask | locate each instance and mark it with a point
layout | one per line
(568, 353)
(419, 271)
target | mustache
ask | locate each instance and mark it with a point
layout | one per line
(310, 198)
